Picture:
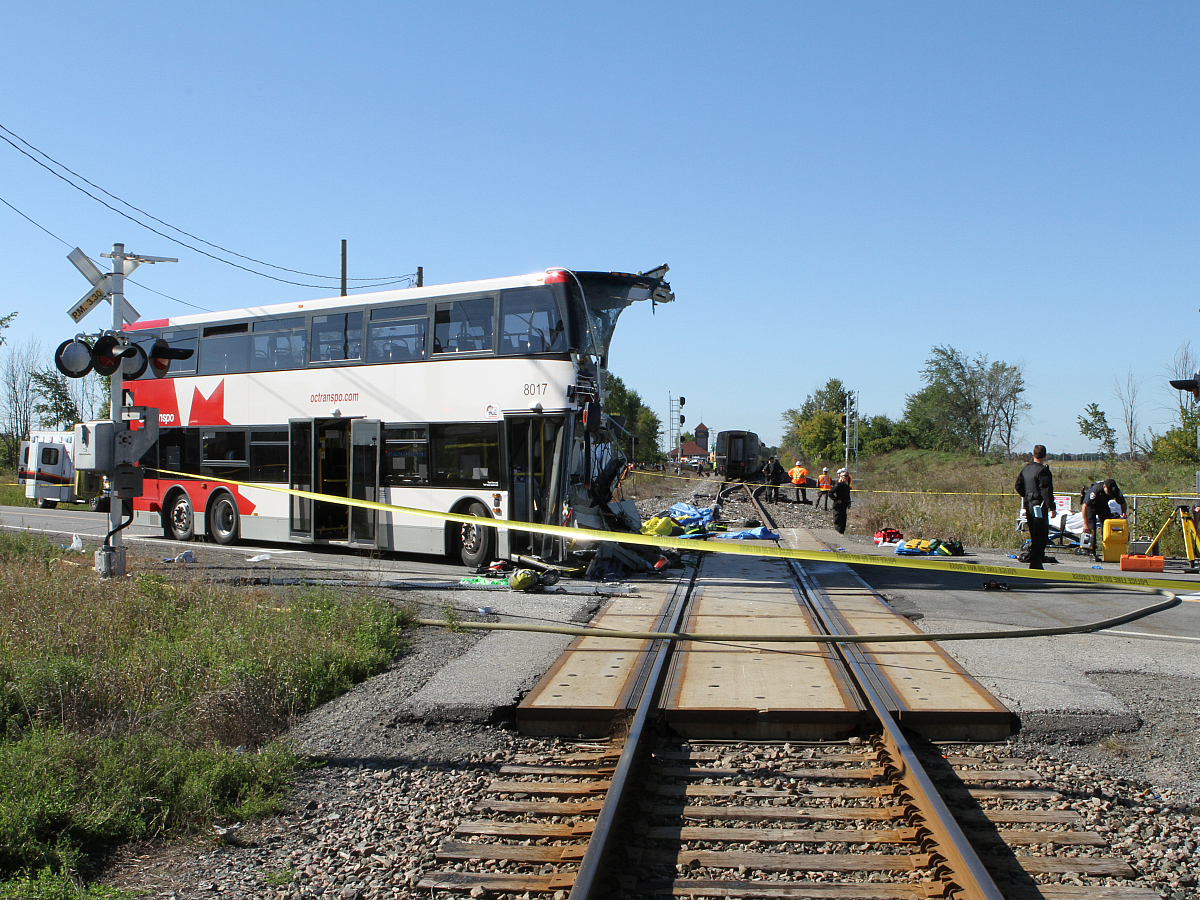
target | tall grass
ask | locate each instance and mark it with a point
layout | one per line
(950, 496)
(139, 706)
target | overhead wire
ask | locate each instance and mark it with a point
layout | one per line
(69, 244)
(383, 281)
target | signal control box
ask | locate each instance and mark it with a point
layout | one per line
(94, 445)
(116, 448)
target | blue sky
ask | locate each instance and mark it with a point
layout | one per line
(836, 187)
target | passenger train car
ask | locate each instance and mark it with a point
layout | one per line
(738, 455)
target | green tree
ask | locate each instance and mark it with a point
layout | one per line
(879, 434)
(966, 404)
(642, 426)
(820, 437)
(54, 406)
(828, 399)
(1093, 425)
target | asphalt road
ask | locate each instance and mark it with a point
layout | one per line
(63, 524)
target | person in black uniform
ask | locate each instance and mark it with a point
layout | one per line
(1036, 484)
(775, 477)
(1096, 510)
(841, 502)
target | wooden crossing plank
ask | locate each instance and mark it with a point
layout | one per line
(594, 682)
(932, 693)
(755, 690)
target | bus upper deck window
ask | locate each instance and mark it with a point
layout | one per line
(531, 322)
(397, 334)
(278, 344)
(337, 336)
(181, 340)
(464, 326)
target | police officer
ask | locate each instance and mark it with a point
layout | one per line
(841, 502)
(1036, 484)
(775, 476)
(1096, 510)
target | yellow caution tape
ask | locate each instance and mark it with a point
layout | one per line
(710, 546)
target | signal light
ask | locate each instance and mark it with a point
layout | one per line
(134, 364)
(682, 419)
(555, 276)
(1191, 385)
(682, 401)
(161, 355)
(73, 358)
(109, 353)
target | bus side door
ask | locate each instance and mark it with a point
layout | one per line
(365, 441)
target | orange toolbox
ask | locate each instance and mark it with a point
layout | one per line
(1136, 562)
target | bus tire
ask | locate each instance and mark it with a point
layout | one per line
(47, 504)
(477, 545)
(99, 504)
(181, 521)
(224, 521)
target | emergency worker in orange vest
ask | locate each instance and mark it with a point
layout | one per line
(824, 487)
(799, 476)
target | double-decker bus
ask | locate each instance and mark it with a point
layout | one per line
(481, 398)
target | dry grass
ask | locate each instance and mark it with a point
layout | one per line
(947, 496)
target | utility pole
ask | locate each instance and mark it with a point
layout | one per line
(420, 276)
(343, 268)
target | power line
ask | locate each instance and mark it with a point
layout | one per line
(31, 222)
(68, 244)
(392, 279)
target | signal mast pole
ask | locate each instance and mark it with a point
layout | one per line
(122, 264)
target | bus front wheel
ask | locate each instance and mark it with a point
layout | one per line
(478, 544)
(223, 519)
(181, 523)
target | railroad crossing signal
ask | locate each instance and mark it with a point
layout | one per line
(113, 354)
(102, 285)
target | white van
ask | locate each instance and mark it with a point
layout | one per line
(47, 468)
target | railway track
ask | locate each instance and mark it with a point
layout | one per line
(885, 815)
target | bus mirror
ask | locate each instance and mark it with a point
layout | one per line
(161, 355)
(591, 417)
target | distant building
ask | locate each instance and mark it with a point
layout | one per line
(690, 448)
(702, 437)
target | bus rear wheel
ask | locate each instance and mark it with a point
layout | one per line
(47, 504)
(181, 522)
(478, 544)
(223, 519)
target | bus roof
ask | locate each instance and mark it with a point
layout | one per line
(429, 291)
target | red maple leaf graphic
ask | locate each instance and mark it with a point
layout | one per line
(210, 411)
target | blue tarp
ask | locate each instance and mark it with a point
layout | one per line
(762, 533)
(690, 517)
